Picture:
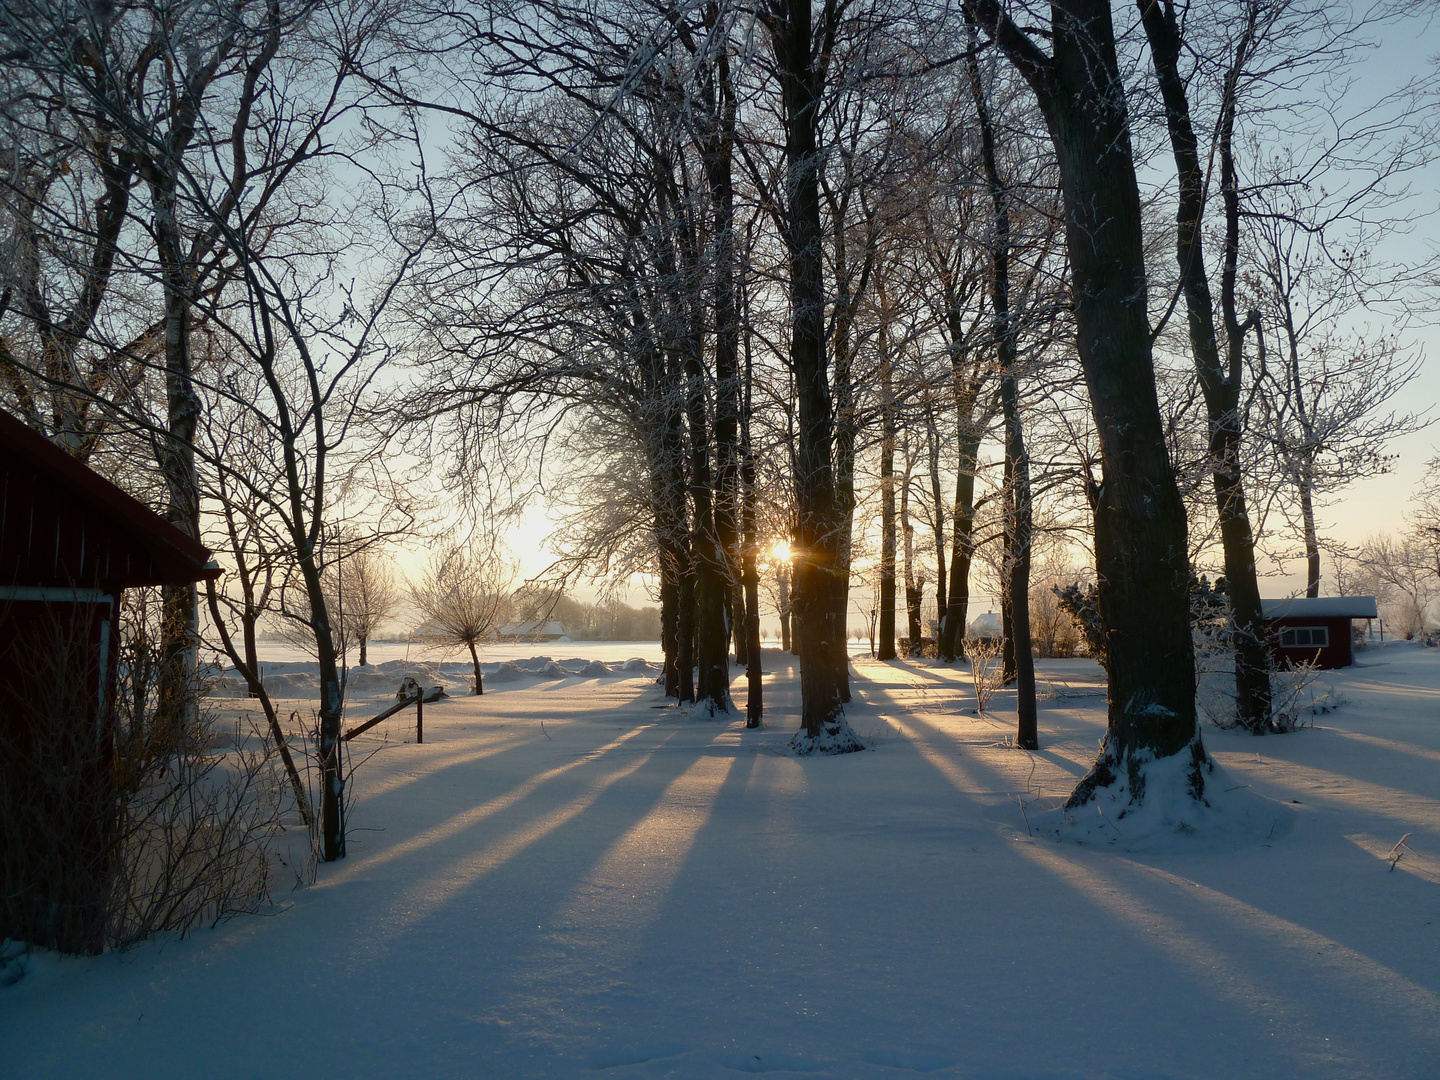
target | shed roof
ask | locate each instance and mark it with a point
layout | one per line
(100, 534)
(1321, 607)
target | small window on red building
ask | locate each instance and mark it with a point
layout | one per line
(1301, 637)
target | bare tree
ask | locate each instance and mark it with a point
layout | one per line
(172, 92)
(1019, 515)
(1220, 380)
(1425, 515)
(1405, 575)
(1324, 411)
(464, 594)
(1140, 523)
(1330, 187)
(363, 589)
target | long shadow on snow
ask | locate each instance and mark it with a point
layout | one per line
(1163, 908)
(1251, 905)
(878, 696)
(540, 977)
(776, 964)
(608, 804)
(639, 705)
(595, 959)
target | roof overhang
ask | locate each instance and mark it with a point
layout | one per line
(1321, 607)
(181, 558)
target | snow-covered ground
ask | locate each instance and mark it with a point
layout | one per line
(635, 892)
(382, 652)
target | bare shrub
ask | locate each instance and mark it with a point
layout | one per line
(1052, 628)
(1212, 636)
(987, 671)
(1294, 700)
(117, 826)
(1405, 583)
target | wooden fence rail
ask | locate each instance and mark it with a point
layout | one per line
(418, 700)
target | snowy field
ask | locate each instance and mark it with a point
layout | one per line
(633, 892)
(408, 652)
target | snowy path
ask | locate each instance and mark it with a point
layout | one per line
(636, 893)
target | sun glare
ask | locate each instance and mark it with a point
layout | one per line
(781, 551)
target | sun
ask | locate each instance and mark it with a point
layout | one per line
(781, 551)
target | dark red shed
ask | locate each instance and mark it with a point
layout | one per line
(1315, 629)
(70, 543)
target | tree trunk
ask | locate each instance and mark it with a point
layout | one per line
(685, 653)
(712, 634)
(180, 626)
(750, 569)
(783, 588)
(656, 435)
(674, 459)
(844, 517)
(817, 568)
(475, 663)
(914, 600)
(1008, 670)
(962, 550)
(363, 660)
(1017, 481)
(1019, 661)
(1140, 539)
(332, 778)
(933, 439)
(248, 665)
(717, 153)
(1312, 540)
(912, 590)
(885, 647)
(669, 624)
(1219, 387)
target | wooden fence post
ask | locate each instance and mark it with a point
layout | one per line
(420, 717)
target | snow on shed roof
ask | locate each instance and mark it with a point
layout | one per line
(1321, 607)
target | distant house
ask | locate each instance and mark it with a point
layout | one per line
(1315, 630)
(986, 626)
(534, 630)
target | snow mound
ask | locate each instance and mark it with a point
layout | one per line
(373, 679)
(594, 668)
(900, 1059)
(507, 673)
(291, 685)
(229, 685)
(836, 737)
(14, 959)
(765, 1063)
(1168, 816)
(619, 1057)
(705, 709)
(638, 665)
(552, 670)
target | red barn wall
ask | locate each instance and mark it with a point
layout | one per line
(1337, 654)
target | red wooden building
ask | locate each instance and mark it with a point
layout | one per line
(70, 543)
(1316, 630)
